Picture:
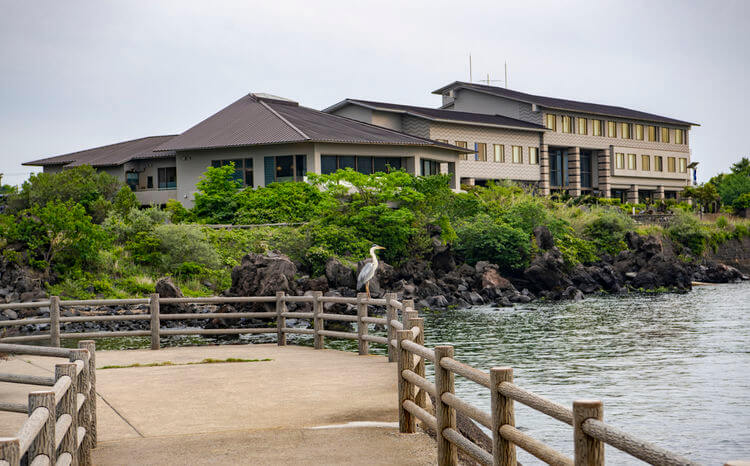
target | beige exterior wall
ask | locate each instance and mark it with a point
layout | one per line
(639, 176)
(387, 120)
(491, 170)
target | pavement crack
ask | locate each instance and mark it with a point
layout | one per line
(121, 416)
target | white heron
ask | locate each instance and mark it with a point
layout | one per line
(368, 270)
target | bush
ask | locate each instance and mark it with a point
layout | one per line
(184, 243)
(124, 228)
(279, 203)
(688, 231)
(722, 222)
(178, 213)
(216, 199)
(607, 231)
(485, 239)
(742, 202)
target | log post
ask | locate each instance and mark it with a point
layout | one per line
(155, 322)
(390, 315)
(406, 421)
(503, 451)
(44, 443)
(408, 306)
(280, 319)
(68, 405)
(364, 346)
(54, 321)
(10, 450)
(419, 367)
(445, 416)
(319, 340)
(588, 450)
(84, 414)
(90, 345)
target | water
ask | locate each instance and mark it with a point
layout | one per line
(671, 368)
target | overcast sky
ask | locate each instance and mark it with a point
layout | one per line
(75, 74)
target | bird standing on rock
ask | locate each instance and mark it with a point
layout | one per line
(368, 270)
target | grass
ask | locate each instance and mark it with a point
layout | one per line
(170, 363)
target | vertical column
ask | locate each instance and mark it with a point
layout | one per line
(155, 322)
(633, 194)
(90, 345)
(574, 171)
(659, 194)
(317, 320)
(68, 405)
(364, 345)
(280, 319)
(10, 450)
(406, 421)
(54, 324)
(454, 183)
(390, 316)
(419, 367)
(544, 170)
(445, 416)
(588, 450)
(503, 451)
(605, 166)
(44, 443)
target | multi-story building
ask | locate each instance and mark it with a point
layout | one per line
(503, 147)
(590, 148)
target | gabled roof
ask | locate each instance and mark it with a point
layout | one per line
(257, 119)
(562, 104)
(436, 114)
(109, 155)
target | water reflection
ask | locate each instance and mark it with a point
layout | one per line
(674, 368)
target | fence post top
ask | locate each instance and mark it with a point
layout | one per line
(317, 293)
(587, 404)
(280, 294)
(443, 351)
(361, 296)
(404, 334)
(85, 344)
(42, 393)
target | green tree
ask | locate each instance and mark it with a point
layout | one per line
(733, 186)
(216, 199)
(485, 238)
(280, 203)
(706, 194)
(742, 167)
(124, 201)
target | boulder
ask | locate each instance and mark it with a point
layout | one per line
(572, 293)
(546, 271)
(263, 275)
(715, 272)
(543, 238)
(339, 275)
(491, 278)
(166, 288)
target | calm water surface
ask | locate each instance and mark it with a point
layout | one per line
(672, 368)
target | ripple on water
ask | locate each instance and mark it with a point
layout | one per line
(672, 368)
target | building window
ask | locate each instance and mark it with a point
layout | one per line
(683, 165)
(639, 132)
(243, 169)
(652, 133)
(679, 136)
(284, 168)
(499, 153)
(597, 127)
(534, 155)
(551, 122)
(619, 160)
(611, 129)
(464, 145)
(645, 162)
(131, 179)
(150, 182)
(480, 151)
(517, 154)
(631, 161)
(567, 124)
(558, 168)
(430, 167)
(583, 127)
(586, 171)
(658, 163)
(665, 135)
(625, 131)
(671, 164)
(249, 172)
(167, 177)
(363, 164)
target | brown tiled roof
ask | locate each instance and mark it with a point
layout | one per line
(256, 119)
(441, 114)
(110, 155)
(563, 104)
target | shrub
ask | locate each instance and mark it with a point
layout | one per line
(124, 228)
(485, 239)
(145, 249)
(190, 269)
(216, 199)
(607, 231)
(722, 222)
(184, 243)
(742, 202)
(279, 203)
(124, 201)
(688, 231)
(178, 213)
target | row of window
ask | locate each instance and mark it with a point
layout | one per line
(498, 152)
(166, 178)
(243, 169)
(580, 125)
(363, 164)
(673, 163)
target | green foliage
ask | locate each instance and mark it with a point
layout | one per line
(216, 199)
(483, 238)
(607, 231)
(124, 201)
(124, 228)
(742, 202)
(704, 194)
(742, 167)
(280, 203)
(733, 186)
(722, 222)
(687, 231)
(144, 249)
(178, 213)
(184, 243)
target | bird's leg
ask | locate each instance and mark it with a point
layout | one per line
(367, 288)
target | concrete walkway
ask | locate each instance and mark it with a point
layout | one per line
(263, 412)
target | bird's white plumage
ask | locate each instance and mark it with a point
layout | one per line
(369, 269)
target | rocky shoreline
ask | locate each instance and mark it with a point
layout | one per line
(437, 283)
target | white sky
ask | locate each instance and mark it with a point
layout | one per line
(79, 74)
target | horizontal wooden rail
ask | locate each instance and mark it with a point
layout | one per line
(375, 339)
(40, 460)
(374, 320)
(468, 446)
(64, 459)
(218, 315)
(534, 401)
(109, 318)
(27, 379)
(26, 338)
(535, 447)
(218, 300)
(632, 445)
(103, 302)
(467, 409)
(301, 331)
(35, 350)
(12, 407)
(339, 317)
(415, 379)
(299, 299)
(31, 428)
(420, 413)
(337, 300)
(128, 333)
(297, 315)
(419, 350)
(331, 333)
(464, 370)
(397, 325)
(31, 305)
(29, 321)
(217, 331)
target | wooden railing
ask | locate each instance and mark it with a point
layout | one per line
(61, 425)
(405, 345)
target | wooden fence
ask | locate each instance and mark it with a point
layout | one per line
(405, 345)
(61, 425)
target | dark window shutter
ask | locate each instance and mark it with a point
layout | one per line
(269, 169)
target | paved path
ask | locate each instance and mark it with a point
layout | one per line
(262, 412)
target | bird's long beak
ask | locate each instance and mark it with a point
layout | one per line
(380, 247)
